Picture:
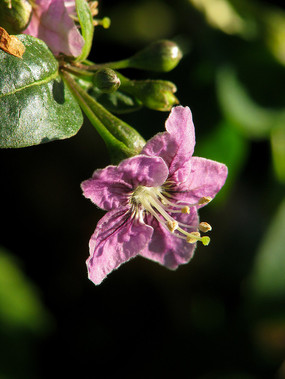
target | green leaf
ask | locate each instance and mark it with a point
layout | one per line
(224, 144)
(268, 280)
(278, 151)
(87, 28)
(35, 105)
(240, 109)
(24, 319)
(20, 305)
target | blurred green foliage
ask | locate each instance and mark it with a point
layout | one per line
(268, 279)
(222, 315)
(23, 320)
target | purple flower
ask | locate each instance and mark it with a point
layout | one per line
(152, 201)
(51, 22)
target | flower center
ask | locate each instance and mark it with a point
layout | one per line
(156, 201)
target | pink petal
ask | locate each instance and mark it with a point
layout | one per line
(52, 24)
(167, 249)
(110, 187)
(175, 146)
(117, 239)
(206, 179)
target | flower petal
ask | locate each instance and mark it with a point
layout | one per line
(110, 187)
(117, 239)
(176, 145)
(51, 22)
(167, 249)
(206, 179)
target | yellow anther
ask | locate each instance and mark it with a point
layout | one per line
(105, 22)
(185, 209)
(204, 227)
(93, 5)
(193, 237)
(204, 200)
(205, 240)
(172, 225)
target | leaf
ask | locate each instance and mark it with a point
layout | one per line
(24, 319)
(87, 28)
(240, 109)
(35, 105)
(278, 151)
(267, 279)
(225, 144)
(20, 304)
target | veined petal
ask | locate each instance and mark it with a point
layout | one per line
(176, 145)
(110, 187)
(180, 122)
(117, 238)
(206, 179)
(51, 22)
(167, 249)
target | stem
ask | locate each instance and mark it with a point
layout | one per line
(113, 65)
(81, 73)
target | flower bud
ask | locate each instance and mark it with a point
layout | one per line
(106, 80)
(162, 56)
(154, 94)
(15, 15)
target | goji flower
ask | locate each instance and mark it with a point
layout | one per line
(152, 200)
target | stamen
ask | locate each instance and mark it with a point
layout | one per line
(105, 22)
(151, 200)
(204, 227)
(172, 225)
(193, 237)
(204, 200)
(183, 208)
(165, 201)
(93, 5)
(205, 240)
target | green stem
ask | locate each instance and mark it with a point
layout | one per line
(113, 65)
(81, 73)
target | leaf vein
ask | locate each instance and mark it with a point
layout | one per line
(36, 83)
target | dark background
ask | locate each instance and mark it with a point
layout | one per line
(215, 317)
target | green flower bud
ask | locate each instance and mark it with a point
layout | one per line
(15, 15)
(160, 56)
(106, 80)
(154, 94)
